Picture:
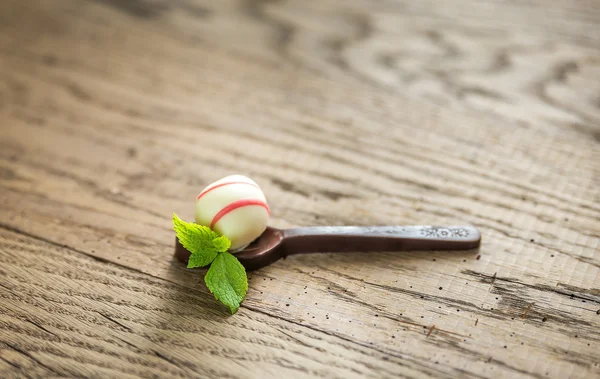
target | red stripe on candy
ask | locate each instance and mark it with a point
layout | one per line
(221, 185)
(238, 204)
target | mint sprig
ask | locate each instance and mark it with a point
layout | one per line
(226, 278)
(201, 241)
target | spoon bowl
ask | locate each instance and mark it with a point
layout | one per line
(275, 244)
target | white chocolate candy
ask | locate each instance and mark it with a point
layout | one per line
(234, 207)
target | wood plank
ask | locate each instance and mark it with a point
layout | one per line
(81, 317)
(104, 134)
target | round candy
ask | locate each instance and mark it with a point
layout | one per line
(234, 207)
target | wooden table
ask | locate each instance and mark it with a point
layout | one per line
(114, 114)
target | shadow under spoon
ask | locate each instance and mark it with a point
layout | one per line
(275, 244)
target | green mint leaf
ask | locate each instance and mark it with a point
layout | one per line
(226, 279)
(201, 260)
(222, 244)
(203, 243)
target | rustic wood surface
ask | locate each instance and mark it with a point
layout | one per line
(114, 114)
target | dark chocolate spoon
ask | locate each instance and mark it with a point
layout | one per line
(274, 244)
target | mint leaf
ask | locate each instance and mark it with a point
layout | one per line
(222, 244)
(226, 279)
(201, 260)
(203, 243)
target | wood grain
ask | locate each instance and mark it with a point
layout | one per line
(67, 314)
(114, 114)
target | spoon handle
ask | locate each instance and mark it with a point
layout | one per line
(379, 238)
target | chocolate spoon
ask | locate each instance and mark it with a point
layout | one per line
(274, 243)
